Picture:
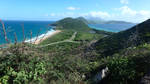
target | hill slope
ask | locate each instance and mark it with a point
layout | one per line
(72, 24)
(137, 35)
(83, 19)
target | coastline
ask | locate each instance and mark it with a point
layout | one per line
(39, 39)
(47, 36)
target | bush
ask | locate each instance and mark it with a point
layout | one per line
(66, 69)
(19, 67)
(122, 70)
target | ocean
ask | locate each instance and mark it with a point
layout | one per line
(111, 27)
(36, 27)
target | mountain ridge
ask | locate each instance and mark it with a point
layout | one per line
(134, 36)
(72, 23)
(108, 22)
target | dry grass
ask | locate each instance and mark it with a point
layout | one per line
(4, 31)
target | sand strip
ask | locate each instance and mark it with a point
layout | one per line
(46, 36)
(39, 40)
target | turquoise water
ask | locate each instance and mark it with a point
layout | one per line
(111, 27)
(36, 27)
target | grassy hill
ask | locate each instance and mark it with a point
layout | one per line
(127, 55)
(71, 24)
(83, 19)
(132, 37)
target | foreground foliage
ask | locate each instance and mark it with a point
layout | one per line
(21, 66)
(128, 66)
(62, 63)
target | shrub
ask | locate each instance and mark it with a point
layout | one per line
(19, 67)
(122, 70)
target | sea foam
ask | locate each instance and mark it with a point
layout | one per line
(50, 32)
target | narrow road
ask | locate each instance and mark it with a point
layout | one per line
(73, 36)
(67, 40)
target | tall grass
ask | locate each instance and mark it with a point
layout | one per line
(4, 31)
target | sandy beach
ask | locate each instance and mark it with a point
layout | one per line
(37, 40)
(48, 35)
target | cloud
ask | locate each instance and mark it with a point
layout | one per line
(92, 15)
(57, 16)
(52, 14)
(97, 14)
(123, 13)
(126, 10)
(72, 8)
(46, 15)
(129, 14)
(124, 1)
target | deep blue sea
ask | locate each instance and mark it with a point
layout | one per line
(112, 27)
(16, 26)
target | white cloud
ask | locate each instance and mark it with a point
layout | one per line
(123, 13)
(129, 14)
(46, 15)
(72, 8)
(97, 14)
(52, 14)
(125, 10)
(124, 1)
(92, 15)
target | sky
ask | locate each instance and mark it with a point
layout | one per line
(124, 10)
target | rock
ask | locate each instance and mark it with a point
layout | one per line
(101, 75)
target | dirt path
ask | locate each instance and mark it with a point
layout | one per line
(73, 36)
(67, 40)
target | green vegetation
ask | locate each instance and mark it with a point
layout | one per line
(129, 65)
(71, 24)
(103, 32)
(61, 47)
(59, 37)
(131, 37)
(64, 45)
(27, 64)
(127, 55)
(63, 62)
(83, 20)
(21, 64)
(74, 56)
(84, 36)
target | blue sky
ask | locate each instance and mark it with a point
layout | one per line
(126, 10)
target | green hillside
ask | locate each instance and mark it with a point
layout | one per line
(83, 19)
(126, 54)
(132, 37)
(71, 24)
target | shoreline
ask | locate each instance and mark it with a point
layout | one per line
(43, 37)
(38, 41)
